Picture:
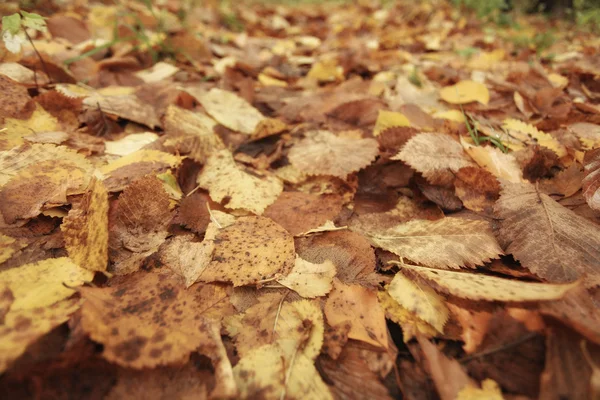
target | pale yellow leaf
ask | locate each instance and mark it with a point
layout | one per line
(529, 134)
(224, 178)
(466, 92)
(44, 283)
(477, 286)
(17, 129)
(326, 71)
(129, 143)
(187, 258)
(9, 246)
(309, 279)
(499, 164)
(411, 324)
(389, 119)
(420, 300)
(158, 72)
(489, 391)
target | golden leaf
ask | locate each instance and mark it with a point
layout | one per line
(411, 324)
(446, 243)
(420, 300)
(250, 250)
(150, 320)
(326, 71)
(465, 92)
(23, 327)
(360, 306)
(429, 153)
(484, 287)
(85, 229)
(529, 134)
(17, 129)
(501, 165)
(129, 144)
(548, 239)
(489, 391)
(44, 283)
(9, 246)
(324, 153)
(389, 119)
(229, 110)
(309, 279)
(224, 178)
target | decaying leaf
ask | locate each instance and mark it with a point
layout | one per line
(150, 319)
(250, 250)
(44, 283)
(526, 133)
(465, 242)
(360, 306)
(187, 258)
(501, 165)
(8, 246)
(308, 279)
(420, 300)
(548, 239)
(324, 153)
(411, 324)
(86, 229)
(430, 153)
(484, 287)
(240, 188)
(476, 188)
(591, 181)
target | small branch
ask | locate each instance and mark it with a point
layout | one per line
(39, 56)
(496, 349)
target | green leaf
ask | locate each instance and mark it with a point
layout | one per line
(11, 23)
(33, 21)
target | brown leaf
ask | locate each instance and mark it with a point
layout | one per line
(477, 188)
(193, 212)
(547, 238)
(14, 98)
(299, 212)
(147, 319)
(591, 181)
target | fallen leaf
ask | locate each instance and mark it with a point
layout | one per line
(591, 180)
(526, 133)
(429, 153)
(466, 92)
(501, 165)
(477, 189)
(410, 323)
(420, 300)
(226, 180)
(16, 129)
(308, 279)
(389, 119)
(489, 391)
(150, 320)
(8, 247)
(484, 287)
(250, 250)
(85, 229)
(229, 110)
(130, 143)
(41, 284)
(326, 71)
(360, 306)
(446, 243)
(187, 258)
(324, 153)
(548, 239)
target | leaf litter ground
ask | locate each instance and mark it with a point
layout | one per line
(324, 202)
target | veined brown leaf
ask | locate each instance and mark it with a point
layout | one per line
(547, 238)
(591, 181)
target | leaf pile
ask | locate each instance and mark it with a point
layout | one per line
(329, 202)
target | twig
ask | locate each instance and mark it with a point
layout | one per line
(40, 57)
(502, 347)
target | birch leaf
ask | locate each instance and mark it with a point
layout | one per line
(309, 279)
(531, 135)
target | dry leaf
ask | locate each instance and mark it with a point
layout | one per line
(17, 129)
(226, 180)
(324, 153)
(308, 279)
(430, 153)
(410, 323)
(548, 239)
(360, 306)
(85, 229)
(446, 243)
(250, 250)
(531, 135)
(501, 165)
(389, 119)
(466, 92)
(150, 320)
(489, 391)
(8, 247)
(130, 143)
(591, 181)
(420, 300)
(484, 287)
(477, 189)
(187, 258)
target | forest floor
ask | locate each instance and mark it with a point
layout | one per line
(328, 201)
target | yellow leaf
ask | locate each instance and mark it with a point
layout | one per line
(308, 279)
(531, 135)
(270, 81)
(484, 287)
(44, 283)
(499, 164)
(419, 299)
(410, 323)
(17, 129)
(326, 71)
(324, 153)
(85, 229)
(158, 72)
(452, 115)
(446, 243)
(186, 258)
(389, 119)
(360, 306)
(466, 92)
(276, 371)
(588, 134)
(224, 178)
(558, 81)
(229, 109)
(489, 391)
(487, 60)
(23, 327)
(129, 143)
(8, 246)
